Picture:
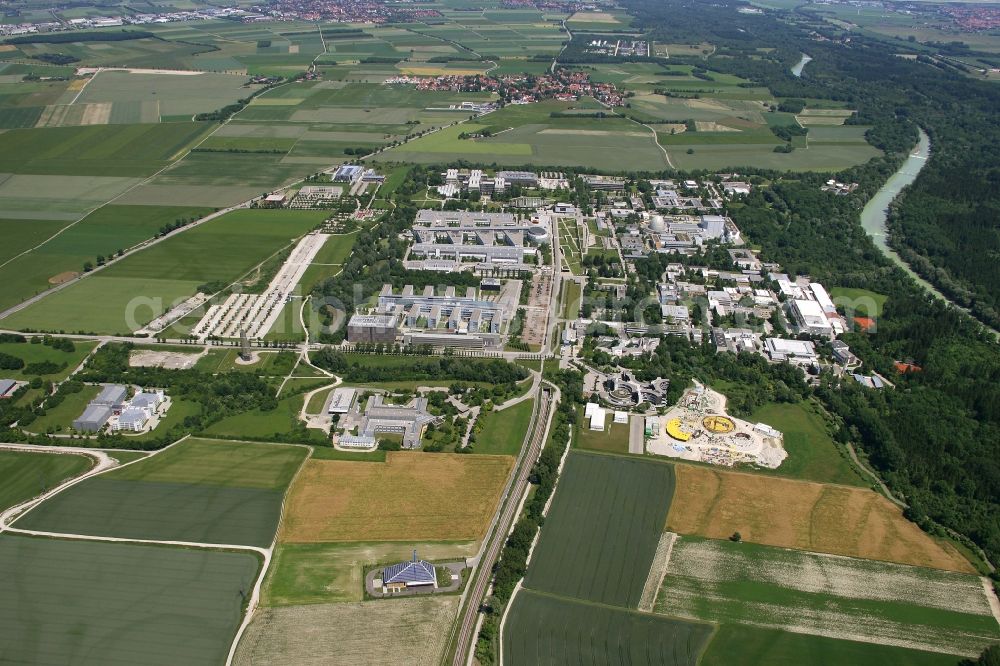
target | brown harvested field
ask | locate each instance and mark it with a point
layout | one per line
(390, 631)
(823, 518)
(411, 496)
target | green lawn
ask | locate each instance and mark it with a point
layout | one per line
(312, 573)
(277, 424)
(613, 439)
(66, 601)
(503, 432)
(24, 474)
(39, 353)
(812, 453)
(862, 302)
(60, 418)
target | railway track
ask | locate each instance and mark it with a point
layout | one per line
(465, 640)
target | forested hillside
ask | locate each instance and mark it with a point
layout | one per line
(935, 438)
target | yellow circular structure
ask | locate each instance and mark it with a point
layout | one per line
(674, 430)
(719, 425)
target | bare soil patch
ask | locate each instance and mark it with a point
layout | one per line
(413, 631)
(824, 518)
(60, 278)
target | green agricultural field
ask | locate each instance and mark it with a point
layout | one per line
(819, 157)
(97, 150)
(547, 629)
(119, 603)
(859, 302)
(502, 432)
(812, 453)
(63, 198)
(25, 474)
(197, 490)
(103, 232)
(825, 595)
(132, 292)
(183, 94)
(22, 235)
(317, 573)
(734, 643)
(602, 531)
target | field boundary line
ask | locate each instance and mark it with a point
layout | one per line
(657, 571)
(15, 513)
(149, 542)
(254, 601)
(80, 91)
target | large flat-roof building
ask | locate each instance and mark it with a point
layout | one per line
(112, 395)
(340, 400)
(496, 239)
(810, 317)
(801, 352)
(94, 418)
(378, 328)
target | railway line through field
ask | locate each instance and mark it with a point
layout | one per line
(464, 640)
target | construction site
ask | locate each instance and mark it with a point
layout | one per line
(698, 428)
(253, 315)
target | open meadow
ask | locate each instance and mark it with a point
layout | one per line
(130, 293)
(45, 361)
(118, 603)
(414, 632)
(548, 629)
(601, 533)
(320, 573)
(824, 518)
(197, 490)
(412, 496)
(826, 595)
(27, 474)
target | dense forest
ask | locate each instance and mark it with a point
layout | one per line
(935, 437)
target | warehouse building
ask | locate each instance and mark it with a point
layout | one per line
(94, 418)
(113, 396)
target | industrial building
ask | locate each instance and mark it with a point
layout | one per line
(372, 328)
(113, 396)
(94, 418)
(801, 352)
